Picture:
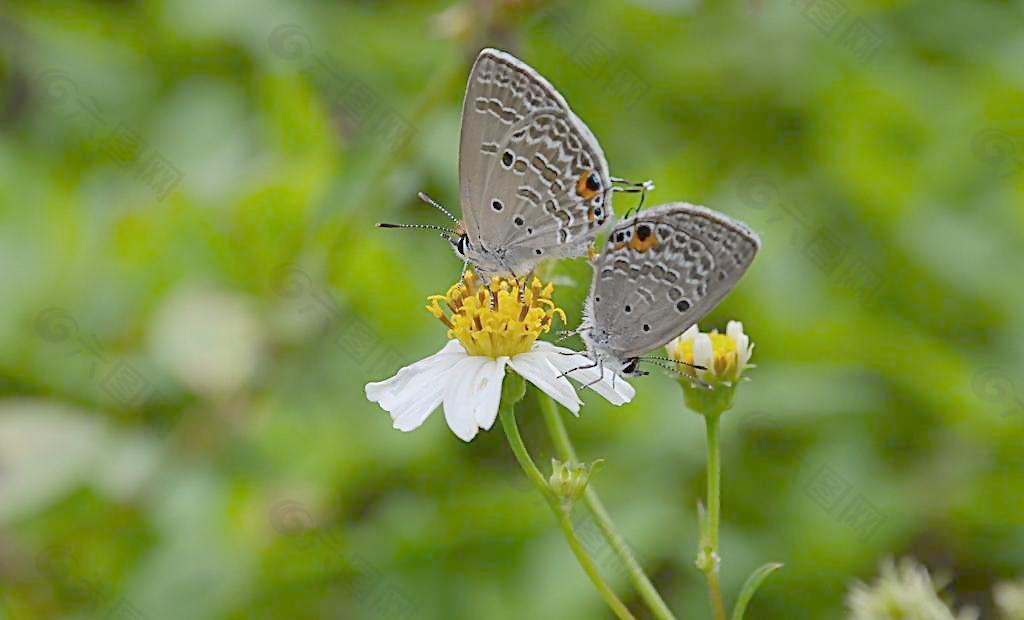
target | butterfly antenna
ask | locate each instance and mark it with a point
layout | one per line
(669, 359)
(430, 201)
(674, 370)
(444, 229)
(661, 365)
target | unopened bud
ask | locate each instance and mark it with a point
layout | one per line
(570, 481)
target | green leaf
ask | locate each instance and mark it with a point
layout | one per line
(752, 584)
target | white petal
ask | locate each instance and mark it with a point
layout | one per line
(415, 385)
(690, 333)
(396, 384)
(742, 350)
(460, 397)
(703, 354)
(622, 393)
(412, 394)
(745, 356)
(535, 368)
(489, 393)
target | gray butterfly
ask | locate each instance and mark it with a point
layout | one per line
(533, 181)
(658, 274)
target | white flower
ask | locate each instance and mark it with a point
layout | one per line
(723, 357)
(903, 591)
(494, 327)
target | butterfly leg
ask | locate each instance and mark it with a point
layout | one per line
(526, 283)
(600, 376)
(572, 370)
(631, 187)
(565, 335)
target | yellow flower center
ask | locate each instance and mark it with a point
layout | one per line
(500, 319)
(725, 359)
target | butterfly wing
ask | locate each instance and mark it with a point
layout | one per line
(534, 182)
(662, 271)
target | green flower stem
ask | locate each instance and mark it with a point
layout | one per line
(715, 592)
(508, 422)
(560, 437)
(709, 559)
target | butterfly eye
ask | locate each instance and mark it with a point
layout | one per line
(631, 365)
(461, 245)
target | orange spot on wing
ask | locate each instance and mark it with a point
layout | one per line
(651, 241)
(583, 186)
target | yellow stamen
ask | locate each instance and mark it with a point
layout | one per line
(503, 318)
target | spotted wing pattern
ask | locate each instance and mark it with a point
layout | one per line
(663, 270)
(534, 181)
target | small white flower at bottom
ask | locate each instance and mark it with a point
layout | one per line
(722, 357)
(904, 590)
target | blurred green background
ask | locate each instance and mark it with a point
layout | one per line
(193, 297)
